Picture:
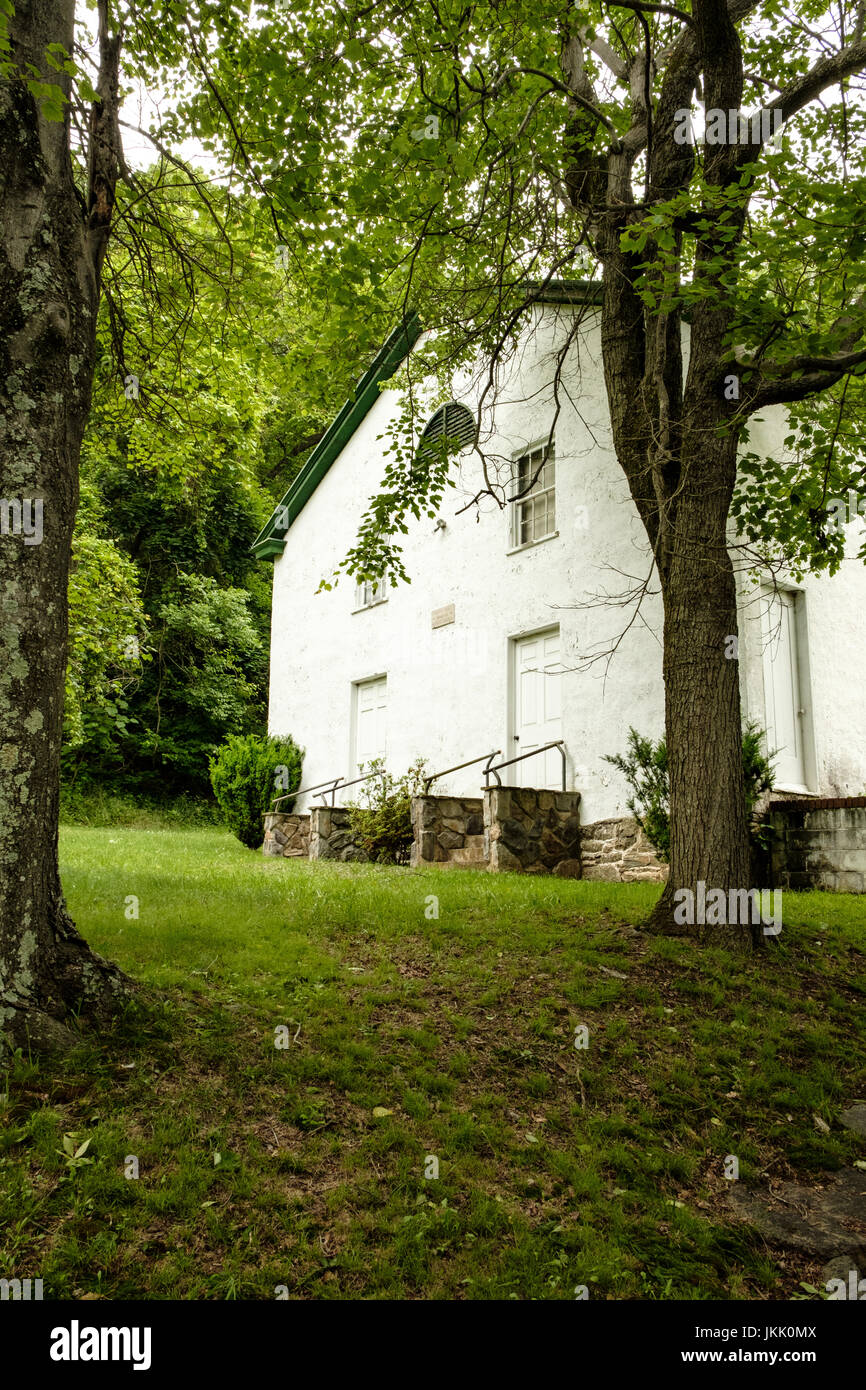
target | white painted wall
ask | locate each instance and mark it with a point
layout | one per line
(449, 688)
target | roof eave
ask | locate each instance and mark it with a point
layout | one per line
(268, 544)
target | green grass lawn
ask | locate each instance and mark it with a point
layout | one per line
(262, 1166)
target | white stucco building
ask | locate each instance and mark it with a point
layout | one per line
(486, 648)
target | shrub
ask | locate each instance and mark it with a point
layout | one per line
(247, 772)
(382, 822)
(645, 768)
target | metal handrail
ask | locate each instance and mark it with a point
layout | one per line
(332, 783)
(382, 772)
(331, 787)
(428, 781)
(558, 743)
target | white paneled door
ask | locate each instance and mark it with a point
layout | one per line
(782, 689)
(371, 716)
(537, 706)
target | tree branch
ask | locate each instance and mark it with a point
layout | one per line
(104, 157)
(575, 96)
(826, 73)
(640, 8)
(776, 385)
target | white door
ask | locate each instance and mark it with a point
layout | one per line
(782, 691)
(537, 710)
(371, 711)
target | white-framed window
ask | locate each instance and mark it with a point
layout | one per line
(533, 508)
(370, 592)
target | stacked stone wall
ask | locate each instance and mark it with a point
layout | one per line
(286, 836)
(448, 830)
(533, 831)
(617, 851)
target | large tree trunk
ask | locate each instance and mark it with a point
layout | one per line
(709, 828)
(51, 247)
(681, 470)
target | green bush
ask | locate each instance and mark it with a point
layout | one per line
(382, 821)
(246, 774)
(645, 768)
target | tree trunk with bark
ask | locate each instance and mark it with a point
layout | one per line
(52, 244)
(709, 833)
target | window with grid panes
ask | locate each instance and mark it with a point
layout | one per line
(534, 512)
(370, 591)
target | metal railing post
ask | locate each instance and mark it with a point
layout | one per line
(434, 777)
(521, 757)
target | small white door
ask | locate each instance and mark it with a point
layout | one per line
(782, 689)
(537, 710)
(371, 712)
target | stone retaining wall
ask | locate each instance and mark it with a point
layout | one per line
(532, 831)
(448, 830)
(331, 836)
(286, 835)
(618, 851)
(526, 830)
(819, 844)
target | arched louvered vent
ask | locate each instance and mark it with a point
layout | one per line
(453, 421)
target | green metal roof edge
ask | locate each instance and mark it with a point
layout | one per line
(268, 543)
(568, 291)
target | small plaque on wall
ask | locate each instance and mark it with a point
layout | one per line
(443, 616)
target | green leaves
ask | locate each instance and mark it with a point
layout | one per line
(72, 1154)
(247, 775)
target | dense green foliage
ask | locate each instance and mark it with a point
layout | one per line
(202, 415)
(645, 768)
(381, 817)
(247, 773)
